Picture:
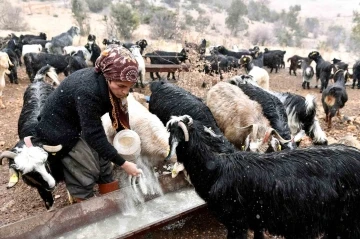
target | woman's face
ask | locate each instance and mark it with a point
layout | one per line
(120, 88)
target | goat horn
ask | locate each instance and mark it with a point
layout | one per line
(52, 149)
(281, 139)
(7, 154)
(184, 129)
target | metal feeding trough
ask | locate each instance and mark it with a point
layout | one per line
(109, 216)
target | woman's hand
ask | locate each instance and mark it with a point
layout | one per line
(131, 169)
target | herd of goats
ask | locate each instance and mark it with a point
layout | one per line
(239, 147)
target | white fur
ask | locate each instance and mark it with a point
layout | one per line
(260, 76)
(135, 50)
(319, 134)
(5, 63)
(36, 48)
(309, 102)
(31, 159)
(51, 74)
(153, 134)
(87, 54)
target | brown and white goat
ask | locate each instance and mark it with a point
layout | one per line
(241, 119)
(5, 63)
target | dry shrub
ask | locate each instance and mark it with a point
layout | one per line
(11, 17)
(262, 36)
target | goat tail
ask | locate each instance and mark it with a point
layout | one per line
(289, 59)
(310, 103)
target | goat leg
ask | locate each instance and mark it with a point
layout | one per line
(329, 122)
(338, 114)
(152, 76)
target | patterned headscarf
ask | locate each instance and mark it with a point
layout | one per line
(118, 64)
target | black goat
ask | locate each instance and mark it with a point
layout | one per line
(76, 62)
(34, 61)
(94, 50)
(259, 60)
(216, 63)
(26, 39)
(323, 69)
(238, 55)
(302, 193)
(294, 63)
(16, 46)
(107, 42)
(280, 54)
(272, 61)
(334, 97)
(35, 172)
(166, 58)
(356, 75)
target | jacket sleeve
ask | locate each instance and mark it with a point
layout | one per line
(88, 106)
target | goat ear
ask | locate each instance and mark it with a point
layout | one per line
(246, 131)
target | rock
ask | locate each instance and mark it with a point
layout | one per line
(351, 128)
(331, 140)
(2, 143)
(350, 141)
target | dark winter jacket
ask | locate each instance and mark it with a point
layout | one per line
(75, 108)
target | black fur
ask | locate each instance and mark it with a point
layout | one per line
(304, 117)
(34, 61)
(323, 69)
(273, 110)
(356, 75)
(336, 91)
(302, 193)
(166, 58)
(76, 62)
(13, 69)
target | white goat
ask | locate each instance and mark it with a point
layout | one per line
(36, 48)
(5, 63)
(259, 75)
(152, 132)
(241, 119)
(135, 50)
